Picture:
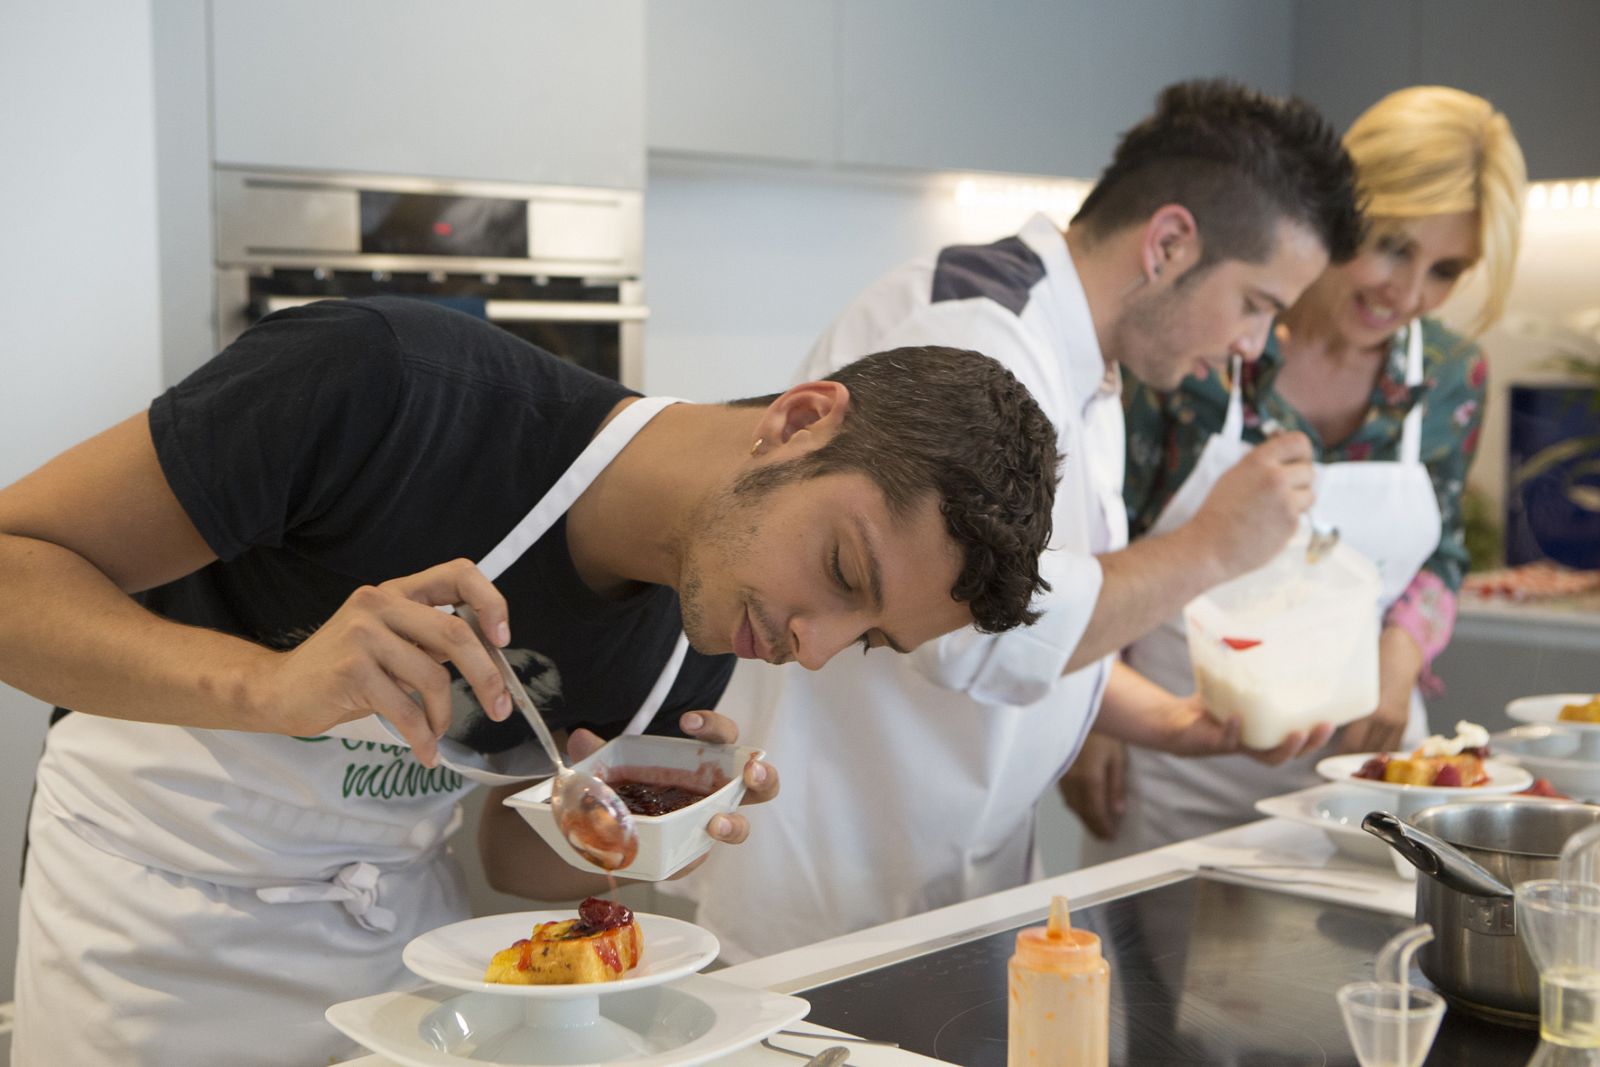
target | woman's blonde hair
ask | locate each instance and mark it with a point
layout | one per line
(1433, 150)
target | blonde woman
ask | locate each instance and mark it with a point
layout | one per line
(1392, 402)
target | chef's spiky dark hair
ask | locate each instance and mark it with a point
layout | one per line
(1241, 162)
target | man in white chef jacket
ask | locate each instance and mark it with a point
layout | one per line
(913, 779)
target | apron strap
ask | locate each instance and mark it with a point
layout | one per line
(578, 477)
(355, 886)
(1233, 425)
(1411, 434)
(658, 693)
(601, 451)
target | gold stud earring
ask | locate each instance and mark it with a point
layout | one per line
(757, 446)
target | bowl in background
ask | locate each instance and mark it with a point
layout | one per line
(1337, 810)
(669, 842)
(1567, 755)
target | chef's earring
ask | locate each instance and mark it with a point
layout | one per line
(757, 446)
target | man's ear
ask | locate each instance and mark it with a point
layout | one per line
(1170, 243)
(803, 418)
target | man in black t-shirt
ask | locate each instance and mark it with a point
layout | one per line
(289, 518)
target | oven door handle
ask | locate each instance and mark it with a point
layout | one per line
(511, 310)
(555, 311)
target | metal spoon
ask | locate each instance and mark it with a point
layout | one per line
(588, 812)
(832, 1056)
(1323, 538)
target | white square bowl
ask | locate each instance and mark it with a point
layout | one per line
(667, 842)
(1567, 757)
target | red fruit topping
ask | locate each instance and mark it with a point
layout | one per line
(597, 914)
(1239, 644)
(1374, 767)
(1541, 787)
(1449, 774)
(1481, 751)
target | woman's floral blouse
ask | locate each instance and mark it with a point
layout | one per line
(1166, 432)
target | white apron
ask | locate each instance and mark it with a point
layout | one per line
(1388, 512)
(213, 917)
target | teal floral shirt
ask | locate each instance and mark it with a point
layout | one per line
(1166, 432)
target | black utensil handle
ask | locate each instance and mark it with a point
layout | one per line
(1433, 857)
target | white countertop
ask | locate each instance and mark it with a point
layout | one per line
(1573, 620)
(1288, 855)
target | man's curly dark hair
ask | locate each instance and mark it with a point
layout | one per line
(1241, 161)
(956, 424)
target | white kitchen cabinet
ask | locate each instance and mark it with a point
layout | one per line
(742, 78)
(538, 91)
(1534, 60)
(1030, 86)
(1347, 55)
(1036, 86)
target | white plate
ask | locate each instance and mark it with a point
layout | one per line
(1566, 754)
(458, 955)
(1337, 810)
(687, 1022)
(1407, 800)
(1545, 709)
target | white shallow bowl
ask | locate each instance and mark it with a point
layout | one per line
(667, 842)
(671, 1025)
(1546, 708)
(1406, 800)
(1566, 754)
(1337, 810)
(458, 954)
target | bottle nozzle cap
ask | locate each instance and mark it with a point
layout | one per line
(1060, 923)
(1072, 950)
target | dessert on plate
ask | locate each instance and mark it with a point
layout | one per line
(1438, 761)
(1586, 712)
(601, 945)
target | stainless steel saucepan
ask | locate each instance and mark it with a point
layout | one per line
(1470, 857)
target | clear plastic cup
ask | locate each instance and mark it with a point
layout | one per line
(1560, 923)
(1390, 1024)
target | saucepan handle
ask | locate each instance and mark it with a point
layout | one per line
(1435, 858)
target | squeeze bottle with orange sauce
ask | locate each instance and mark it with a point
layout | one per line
(1060, 996)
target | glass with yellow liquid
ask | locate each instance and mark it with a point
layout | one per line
(1559, 921)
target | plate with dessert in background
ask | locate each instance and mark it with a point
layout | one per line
(1437, 771)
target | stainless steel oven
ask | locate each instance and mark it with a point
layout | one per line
(558, 266)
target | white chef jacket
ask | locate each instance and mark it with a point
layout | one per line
(909, 782)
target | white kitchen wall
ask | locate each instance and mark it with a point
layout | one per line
(746, 265)
(79, 304)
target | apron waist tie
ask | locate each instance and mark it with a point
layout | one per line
(355, 886)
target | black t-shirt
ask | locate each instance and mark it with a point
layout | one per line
(349, 442)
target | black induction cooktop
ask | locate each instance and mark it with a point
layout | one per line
(1202, 972)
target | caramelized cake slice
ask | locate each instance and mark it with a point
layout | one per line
(601, 945)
